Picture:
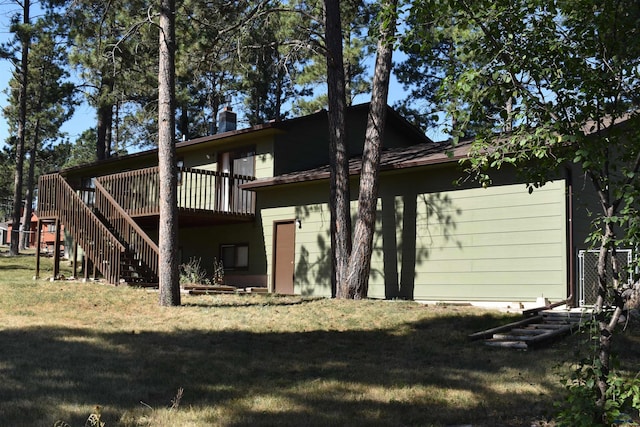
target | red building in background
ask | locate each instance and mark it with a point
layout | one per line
(48, 234)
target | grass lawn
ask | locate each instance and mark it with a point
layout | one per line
(67, 346)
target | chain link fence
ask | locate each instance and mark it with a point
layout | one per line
(588, 273)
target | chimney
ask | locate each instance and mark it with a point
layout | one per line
(227, 120)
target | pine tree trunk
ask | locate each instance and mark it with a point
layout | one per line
(339, 197)
(22, 123)
(357, 280)
(105, 119)
(168, 230)
(28, 209)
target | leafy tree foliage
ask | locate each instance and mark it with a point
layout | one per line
(356, 19)
(232, 51)
(21, 27)
(49, 102)
(7, 173)
(266, 56)
(542, 84)
(114, 50)
(207, 61)
(80, 152)
(268, 67)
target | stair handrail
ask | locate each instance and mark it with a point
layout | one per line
(58, 199)
(124, 226)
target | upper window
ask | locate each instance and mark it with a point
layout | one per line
(237, 162)
(244, 163)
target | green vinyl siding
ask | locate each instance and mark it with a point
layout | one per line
(204, 159)
(494, 244)
(312, 246)
(473, 244)
(264, 159)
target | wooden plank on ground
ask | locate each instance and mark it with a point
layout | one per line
(508, 344)
(209, 292)
(489, 332)
(549, 335)
(528, 331)
(508, 336)
(567, 315)
(212, 288)
(549, 326)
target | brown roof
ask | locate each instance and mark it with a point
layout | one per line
(392, 159)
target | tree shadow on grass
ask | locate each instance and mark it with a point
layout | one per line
(326, 377)
(14, 267)
(270, 300)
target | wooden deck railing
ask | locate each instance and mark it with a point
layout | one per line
(57, 199)
(126, 228)
(138, 191)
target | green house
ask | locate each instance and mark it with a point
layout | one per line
(257, 199)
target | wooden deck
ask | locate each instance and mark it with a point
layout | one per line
(108, 220)
(199, 192)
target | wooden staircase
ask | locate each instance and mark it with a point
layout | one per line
(540, 328)
(139, 261)
(119, 249)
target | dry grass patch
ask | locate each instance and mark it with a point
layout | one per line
(257, 360)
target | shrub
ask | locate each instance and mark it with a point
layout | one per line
(580, 408)
(218, 271)
(192, 272)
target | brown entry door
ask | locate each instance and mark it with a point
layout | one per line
(284, 254)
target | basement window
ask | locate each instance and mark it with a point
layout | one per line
(235, 256)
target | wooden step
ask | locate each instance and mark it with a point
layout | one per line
(573, 316)
(548, 326)
(531, 331)
(489, 332)
(507, 344)
(509, 336)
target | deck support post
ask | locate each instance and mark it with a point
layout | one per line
(75, 259)
(87, 266)
(56, 251)
(38, 237)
